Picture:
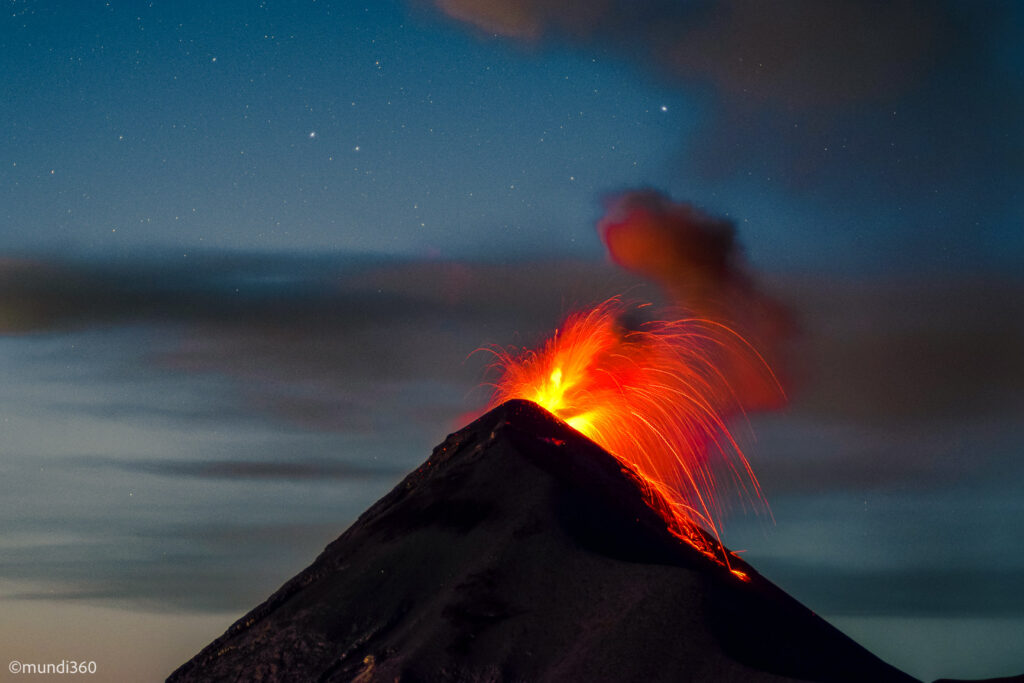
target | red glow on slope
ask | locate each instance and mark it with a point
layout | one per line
(652, 396)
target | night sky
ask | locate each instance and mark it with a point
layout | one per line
(247, 250)
(389, 129)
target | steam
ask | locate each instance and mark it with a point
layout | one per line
(696, 261)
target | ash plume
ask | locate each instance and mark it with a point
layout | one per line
(697, 262)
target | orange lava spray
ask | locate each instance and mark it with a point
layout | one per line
(653, 396)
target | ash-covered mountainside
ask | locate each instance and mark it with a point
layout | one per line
(522, 551)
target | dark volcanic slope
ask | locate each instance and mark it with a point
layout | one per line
(521, 551)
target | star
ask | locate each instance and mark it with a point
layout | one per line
(312, 134)
(664, 108)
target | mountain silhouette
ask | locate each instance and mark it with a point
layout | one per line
(522, 551)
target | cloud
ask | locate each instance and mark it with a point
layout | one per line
(529, 19)
(341, 344)
(194, 568)
(900, 113)
(314, 338)
(796, 53)
(293, 469)
(922, 590)
(698, 263)
(891, 377)
(308, 294)
(911, 385)
(895, 350)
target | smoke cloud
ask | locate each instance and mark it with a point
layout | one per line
(901, 113)
(799, 52)
(697, 262)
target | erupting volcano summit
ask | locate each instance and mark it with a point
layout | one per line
(523, 551)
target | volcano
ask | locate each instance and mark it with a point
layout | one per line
(522, 551)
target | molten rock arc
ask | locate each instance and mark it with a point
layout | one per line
(656, 398)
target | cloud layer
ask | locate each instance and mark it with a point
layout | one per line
(331, 377)
(321, 342)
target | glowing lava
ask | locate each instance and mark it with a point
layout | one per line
(655, 398)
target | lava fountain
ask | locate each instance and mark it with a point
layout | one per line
(654, 396)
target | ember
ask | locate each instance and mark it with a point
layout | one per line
(654, 397)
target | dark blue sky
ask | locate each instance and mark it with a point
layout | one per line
(312, 126)
(392, 128)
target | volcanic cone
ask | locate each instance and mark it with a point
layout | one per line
(522, 551)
